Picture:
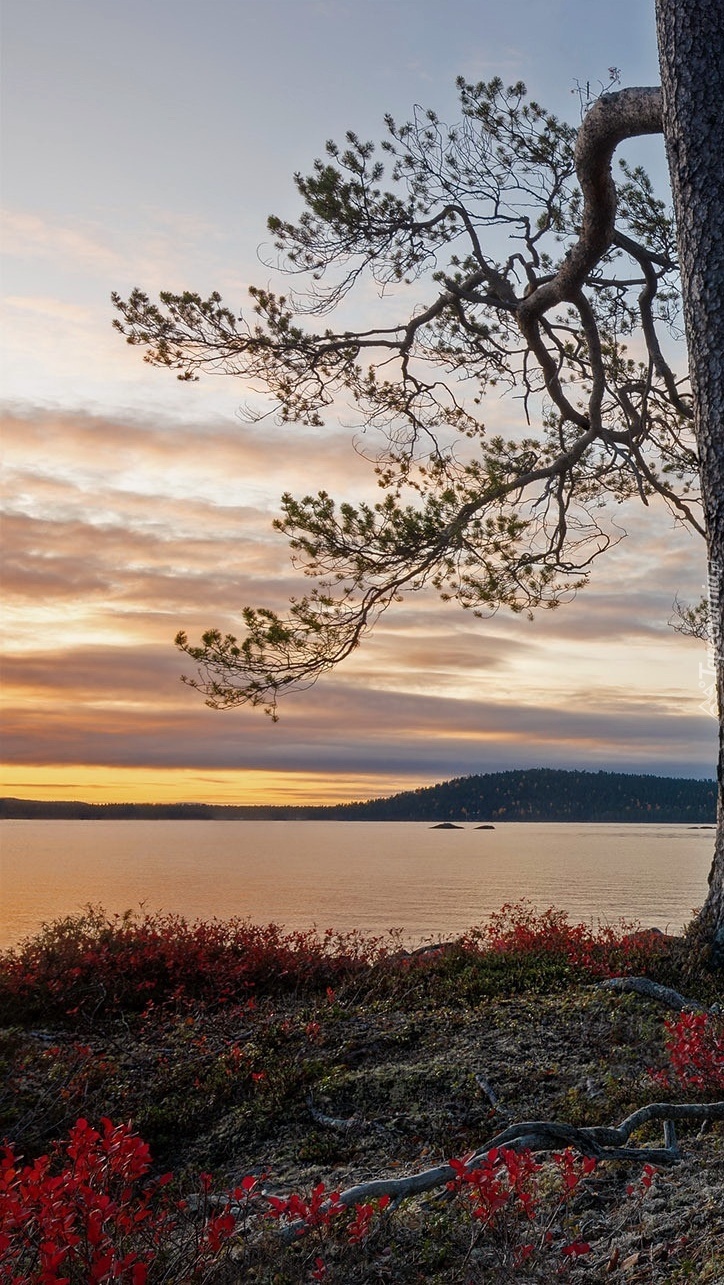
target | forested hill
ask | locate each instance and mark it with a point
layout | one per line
(547, 794)
(538, 794)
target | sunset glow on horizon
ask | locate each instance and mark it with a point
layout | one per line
(136, 506)
(90, 784)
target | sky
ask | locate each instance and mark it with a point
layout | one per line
(145, 143)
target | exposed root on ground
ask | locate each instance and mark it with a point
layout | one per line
(549, 1135)
(654, 990)
(599, 1142)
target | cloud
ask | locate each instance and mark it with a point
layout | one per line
(46, 306)
(121, 530)
(219, 459)
(343, 731)
(29, 236)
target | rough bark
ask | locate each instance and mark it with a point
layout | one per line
(691, 53)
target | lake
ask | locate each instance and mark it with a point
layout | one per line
(350, 874)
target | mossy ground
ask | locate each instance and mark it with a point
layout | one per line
(405, 1054)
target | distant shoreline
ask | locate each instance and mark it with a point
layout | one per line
(98, 812)
(535, 795)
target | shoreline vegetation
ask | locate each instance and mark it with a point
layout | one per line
(200, 1102)
(536, 794)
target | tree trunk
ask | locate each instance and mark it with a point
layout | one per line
(691, 53)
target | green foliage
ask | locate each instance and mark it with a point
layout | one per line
(477, 224)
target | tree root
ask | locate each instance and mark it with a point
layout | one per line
(654, 990)
(338, 1123)
(548, 1135)
(601, 1143)
(598, 1142)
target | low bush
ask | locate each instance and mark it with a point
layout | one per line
(518, 931)
(92, 963)
(695, 1051)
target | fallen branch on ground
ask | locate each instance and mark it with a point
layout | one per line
(486, 1087)
(654, 990)
(549, 1135)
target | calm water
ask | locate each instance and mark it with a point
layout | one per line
(368, 875)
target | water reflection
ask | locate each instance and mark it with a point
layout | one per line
(368, 875)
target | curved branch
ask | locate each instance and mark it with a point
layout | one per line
(614, 117)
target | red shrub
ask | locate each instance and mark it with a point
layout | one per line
(93, 962)
(86, 1218)
(89, 1215)
(501, 1183)
(604, 951)
(695, 1048)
